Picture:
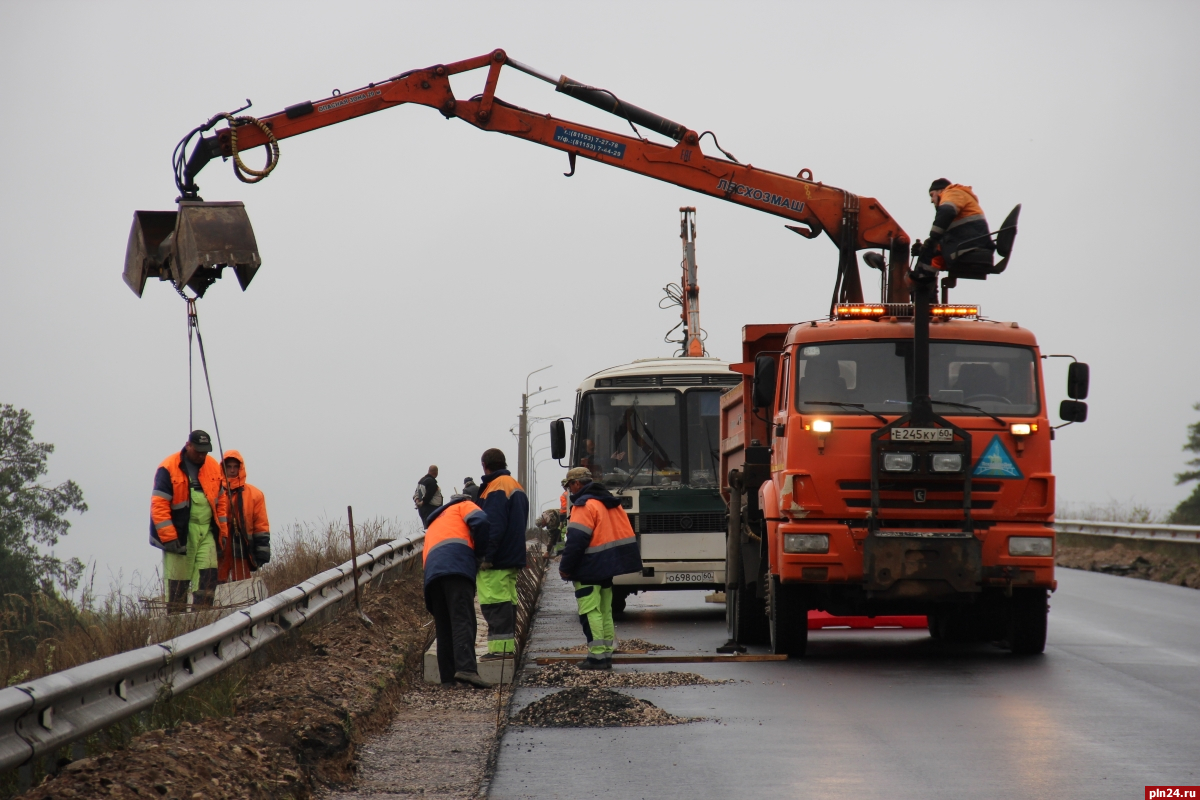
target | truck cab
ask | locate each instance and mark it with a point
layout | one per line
(842, 501)
(650, 432)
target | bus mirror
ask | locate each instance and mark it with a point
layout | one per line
(1073, 410)
(764, 382)
(1077, 380)
(558, 439)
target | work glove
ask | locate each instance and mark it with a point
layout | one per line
(175, 547)
(261, 544)
(916, 248)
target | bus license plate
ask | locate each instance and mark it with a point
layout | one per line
(922, 435)
(689, 577)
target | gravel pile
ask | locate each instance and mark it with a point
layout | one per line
(593, 708)
(569, 675)
(623, 646)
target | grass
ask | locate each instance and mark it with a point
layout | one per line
(1112, 511)
(48, 633)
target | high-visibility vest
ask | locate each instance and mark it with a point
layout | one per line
(171, 500)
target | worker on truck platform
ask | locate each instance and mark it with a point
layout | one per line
(249, 530)
(188, 522)
(600, 546)
(507, 508)
(457, 532)
(959, 234)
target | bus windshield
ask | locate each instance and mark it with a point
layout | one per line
(878, 376)
(650, 438)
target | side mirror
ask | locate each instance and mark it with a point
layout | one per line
(764, 381)
(1073, 410)
(558, 440)
(1077, 381)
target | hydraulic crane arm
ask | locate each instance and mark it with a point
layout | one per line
(852, 222)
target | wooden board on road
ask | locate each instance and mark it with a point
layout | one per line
(677, 659)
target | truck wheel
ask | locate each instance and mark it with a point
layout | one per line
(789, 620)
(618, 607)
(746, 616)
(1027, 614)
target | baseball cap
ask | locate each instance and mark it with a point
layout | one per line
(579, 474)
(201, 441)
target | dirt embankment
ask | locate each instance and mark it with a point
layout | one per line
(1133, 562)
(297, 722)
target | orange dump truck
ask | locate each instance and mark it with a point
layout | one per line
(891, 460)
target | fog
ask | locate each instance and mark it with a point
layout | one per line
(416, 269)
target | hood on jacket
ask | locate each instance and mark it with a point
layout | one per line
(595, 491)
(240, 480)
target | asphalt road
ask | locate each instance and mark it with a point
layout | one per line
(1112, 706)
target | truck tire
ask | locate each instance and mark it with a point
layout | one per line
(1028, 611)
(789, 620)
(618, 607)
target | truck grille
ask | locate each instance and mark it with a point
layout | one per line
(942, 494)
(678, 523)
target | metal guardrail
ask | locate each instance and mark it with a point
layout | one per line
(38, 717)
(1131, 530)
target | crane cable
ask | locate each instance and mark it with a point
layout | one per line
(246, 174)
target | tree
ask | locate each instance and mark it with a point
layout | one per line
(1188, 512)
(32, 514)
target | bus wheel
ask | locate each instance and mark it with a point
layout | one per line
(1027, 615)
(789, 619)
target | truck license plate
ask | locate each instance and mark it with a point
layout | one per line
(922, 435)
(689, 577)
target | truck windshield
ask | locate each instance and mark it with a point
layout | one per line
(645, 438)
(878, 375)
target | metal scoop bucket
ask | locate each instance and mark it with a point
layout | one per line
(191, 246)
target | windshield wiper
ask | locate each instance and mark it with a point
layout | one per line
(973, 408)
(956, 405)
(859, 406)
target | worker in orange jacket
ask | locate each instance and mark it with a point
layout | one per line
(249, 531)
(188, 522)
(959, 235)
(600, 546)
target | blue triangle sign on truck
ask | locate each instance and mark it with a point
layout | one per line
(996, 462)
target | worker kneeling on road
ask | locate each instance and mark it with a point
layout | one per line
(188, 522)
(456, 532)
(600, 546)
(249, 531)
(507, 508)
(959, 235)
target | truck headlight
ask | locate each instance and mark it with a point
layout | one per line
(1030, 546)
(897, 462)
(806, 543)
(947, 462)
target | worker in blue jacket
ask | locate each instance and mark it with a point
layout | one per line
(507, 508)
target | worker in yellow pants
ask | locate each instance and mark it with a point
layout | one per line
(594, 601)
(199, 565)
(497, 590)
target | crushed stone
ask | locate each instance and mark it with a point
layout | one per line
(569, 675)
(623, 646)
(585, 707)
(1122, 560)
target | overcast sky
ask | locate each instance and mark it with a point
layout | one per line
(415, 269)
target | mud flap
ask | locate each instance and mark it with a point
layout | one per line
(907, 563)
(191, 246)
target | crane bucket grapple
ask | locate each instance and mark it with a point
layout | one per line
(190, 247)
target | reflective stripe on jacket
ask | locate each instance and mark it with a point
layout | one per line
(600, 541)
(171, 501)
(450, 540)
(507, 507)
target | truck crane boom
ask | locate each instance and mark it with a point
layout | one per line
(851, 222)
